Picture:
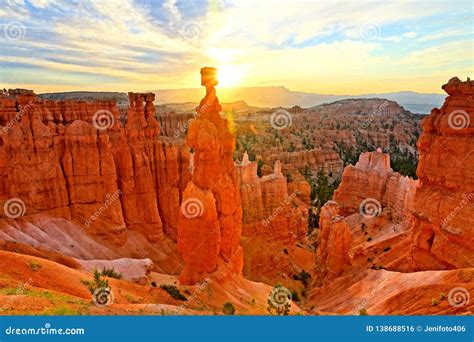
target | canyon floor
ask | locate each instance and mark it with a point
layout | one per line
(356, 207)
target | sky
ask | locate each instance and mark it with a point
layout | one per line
(328, 47)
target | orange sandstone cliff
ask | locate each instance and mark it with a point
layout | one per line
(443, 228)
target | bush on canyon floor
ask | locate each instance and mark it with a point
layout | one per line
(111, 273)
(363, 312)
(228, 308)
(303, 276)
(34, 265)
(174, 292)
(96, 283)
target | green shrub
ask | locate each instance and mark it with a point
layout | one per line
(96, 283)
(228, 308)
(34, 265)
(174, 292)
(111, 273)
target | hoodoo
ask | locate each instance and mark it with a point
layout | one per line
(210, 222)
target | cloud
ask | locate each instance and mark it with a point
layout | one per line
(150, 45)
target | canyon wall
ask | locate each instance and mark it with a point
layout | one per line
(272, 208)
(373, 179)
(403, 224)
(315, 160)
(73, 159)
(443, 230)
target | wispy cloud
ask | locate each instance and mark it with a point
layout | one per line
(338, 47)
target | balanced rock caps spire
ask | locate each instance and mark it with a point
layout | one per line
(210, 222)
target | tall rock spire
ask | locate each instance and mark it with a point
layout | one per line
(210, 221)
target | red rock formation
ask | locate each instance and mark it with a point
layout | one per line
(210, 221)
(269, 209)
(315, 160)
(443, 232)
(175, 125)
(372, 178)
(334, 242)
(73, 159)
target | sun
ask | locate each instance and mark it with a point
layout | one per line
(229, 75)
